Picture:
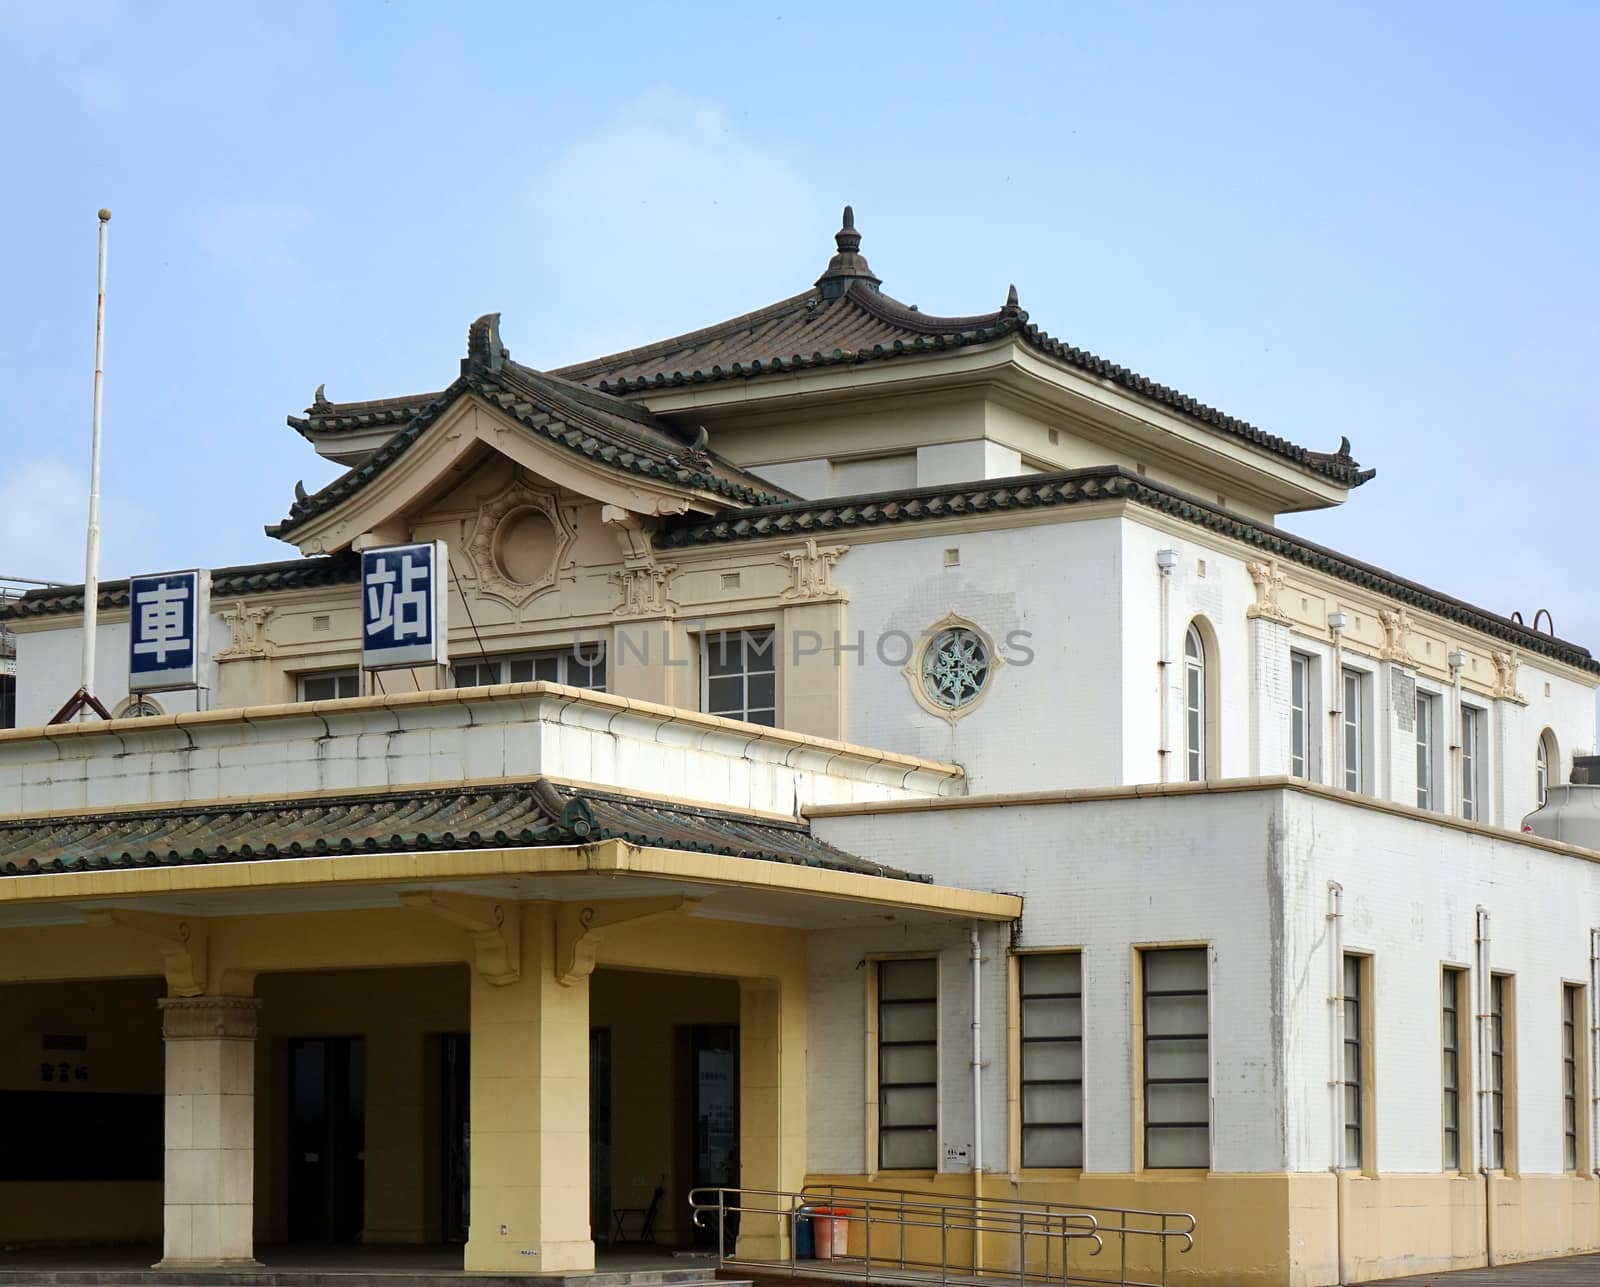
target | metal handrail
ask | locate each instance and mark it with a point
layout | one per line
(1030, 1228)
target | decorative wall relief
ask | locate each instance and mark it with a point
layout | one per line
(519, 543)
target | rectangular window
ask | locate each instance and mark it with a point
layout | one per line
(1177, 1081)
(1052, 1058)
(1498, 986)
(1427, 733)
(1354, 1062)
(8, 700)
(1471, 763)
(576, 665)
(1571, 1008)
(908, 1064)
(1450, 1063)
(739, 675)
(1353, 727)
(330, 684)
(1301, 719)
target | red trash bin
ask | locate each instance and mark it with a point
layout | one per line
(831, 1232)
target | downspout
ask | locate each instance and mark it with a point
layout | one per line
(1458, 661)
(977, 1099)
(1336, 1062)
(1166, 560)
(1336, 624)
(1485, 1070)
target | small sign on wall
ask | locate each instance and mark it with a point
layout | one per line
(957, 1155)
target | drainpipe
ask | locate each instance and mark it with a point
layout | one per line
(1337, 621)
(1485, 1070)
(977, 1098)
(1166, 560)
(1336, 1063)
(1458, 661)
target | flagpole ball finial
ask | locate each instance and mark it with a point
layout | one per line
(105, 215)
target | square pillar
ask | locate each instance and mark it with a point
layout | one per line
(772, 1110)
(208, 1194)
(530, 1113)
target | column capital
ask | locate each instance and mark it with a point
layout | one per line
(208, 1018)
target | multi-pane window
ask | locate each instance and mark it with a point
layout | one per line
(1052, 1058)
(739, 675)
(1352, 727)
(1471, 763)
(8, 700)
(908, 1064)
(1497, 1072)
(1354, 1056)
(1570, 1009)
(1300, 716)
(330, 684)
(1450, 1063)
(580, 666)
(1427, 743)
(1177, 1081)
(1194, 704)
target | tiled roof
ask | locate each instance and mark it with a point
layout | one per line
(535, 812)
(248, 578)
(323, 416)
(604, 428)
(846, 320)
(1080, 486)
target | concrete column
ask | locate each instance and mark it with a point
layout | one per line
(772, 1109)
(209, 1192)
(395, 1185)
(530, 1114)
(1270, 710)
(814, 674)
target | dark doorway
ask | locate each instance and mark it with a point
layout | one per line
(455, 1083)
(327, 1138)
(600, 1134)
(715, 1072)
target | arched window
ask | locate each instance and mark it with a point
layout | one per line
(1546, 760)
(1194, 704)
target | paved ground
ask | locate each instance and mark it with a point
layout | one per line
(1568, 1271)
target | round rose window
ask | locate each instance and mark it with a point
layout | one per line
(955, 667)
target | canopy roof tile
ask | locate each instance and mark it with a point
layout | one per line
(536, 812)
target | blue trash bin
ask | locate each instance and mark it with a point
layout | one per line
(805, 1242)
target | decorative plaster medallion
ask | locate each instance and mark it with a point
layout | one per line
(812, 571)
(1269, 579)
(249, 626)
(645, 590)
(519, 543)
(952, 668)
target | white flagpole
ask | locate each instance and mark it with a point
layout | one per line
(91, 572)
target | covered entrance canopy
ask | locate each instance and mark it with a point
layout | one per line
(531, 884)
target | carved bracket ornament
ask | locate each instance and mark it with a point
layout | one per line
(1506, 665)
(249, 627)
(495, 929)
(1397, 626)
(209, 1018)
(811, 571)
(182, 943)
(646, 585)
(1269, 579)
(579, 928)
(520, 542)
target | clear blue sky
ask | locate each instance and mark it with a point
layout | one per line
(1377, 221)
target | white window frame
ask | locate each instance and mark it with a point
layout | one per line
(338, 676)
(1427, 729)
(1303, 673)
(570, 670)
(1195, 714)
(1546, 760)
(1355, 730)
(1473, 777)
(1066, 1005)
(713, 640)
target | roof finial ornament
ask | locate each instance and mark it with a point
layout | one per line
(300, 491)
(848, 264)
(319, 399)
(485, 352)
(1012, 307)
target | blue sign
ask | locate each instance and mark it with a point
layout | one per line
(167, 630)
(403, 602)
